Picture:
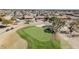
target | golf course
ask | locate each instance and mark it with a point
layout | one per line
(37, 38)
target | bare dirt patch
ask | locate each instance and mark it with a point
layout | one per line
(12, 40)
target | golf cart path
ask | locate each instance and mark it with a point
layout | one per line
(12, 40)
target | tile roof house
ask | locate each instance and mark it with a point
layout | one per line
(28, 17)
(39, 17)
(74, 18)
(62, 17)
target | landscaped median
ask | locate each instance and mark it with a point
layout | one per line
(37, 38)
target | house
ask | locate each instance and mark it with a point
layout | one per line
(28, 17)
(40, 17)
(73, 17)
(62, 17)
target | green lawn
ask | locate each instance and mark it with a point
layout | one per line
(38, 39)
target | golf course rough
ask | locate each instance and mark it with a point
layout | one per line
(38, 39)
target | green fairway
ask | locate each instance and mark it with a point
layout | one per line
(37, 38)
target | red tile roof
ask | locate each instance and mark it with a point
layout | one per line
(28, 17)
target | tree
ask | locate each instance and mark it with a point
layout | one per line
(0, 19)
(71, 26)
(77, 24)
(46, 18)
(74, 26)
(13, 18)
(6, 22)
(57, 24)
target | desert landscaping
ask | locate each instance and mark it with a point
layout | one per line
(39, 29)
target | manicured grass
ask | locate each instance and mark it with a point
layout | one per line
(37, 38)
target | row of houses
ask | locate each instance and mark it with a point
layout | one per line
(63, 17)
